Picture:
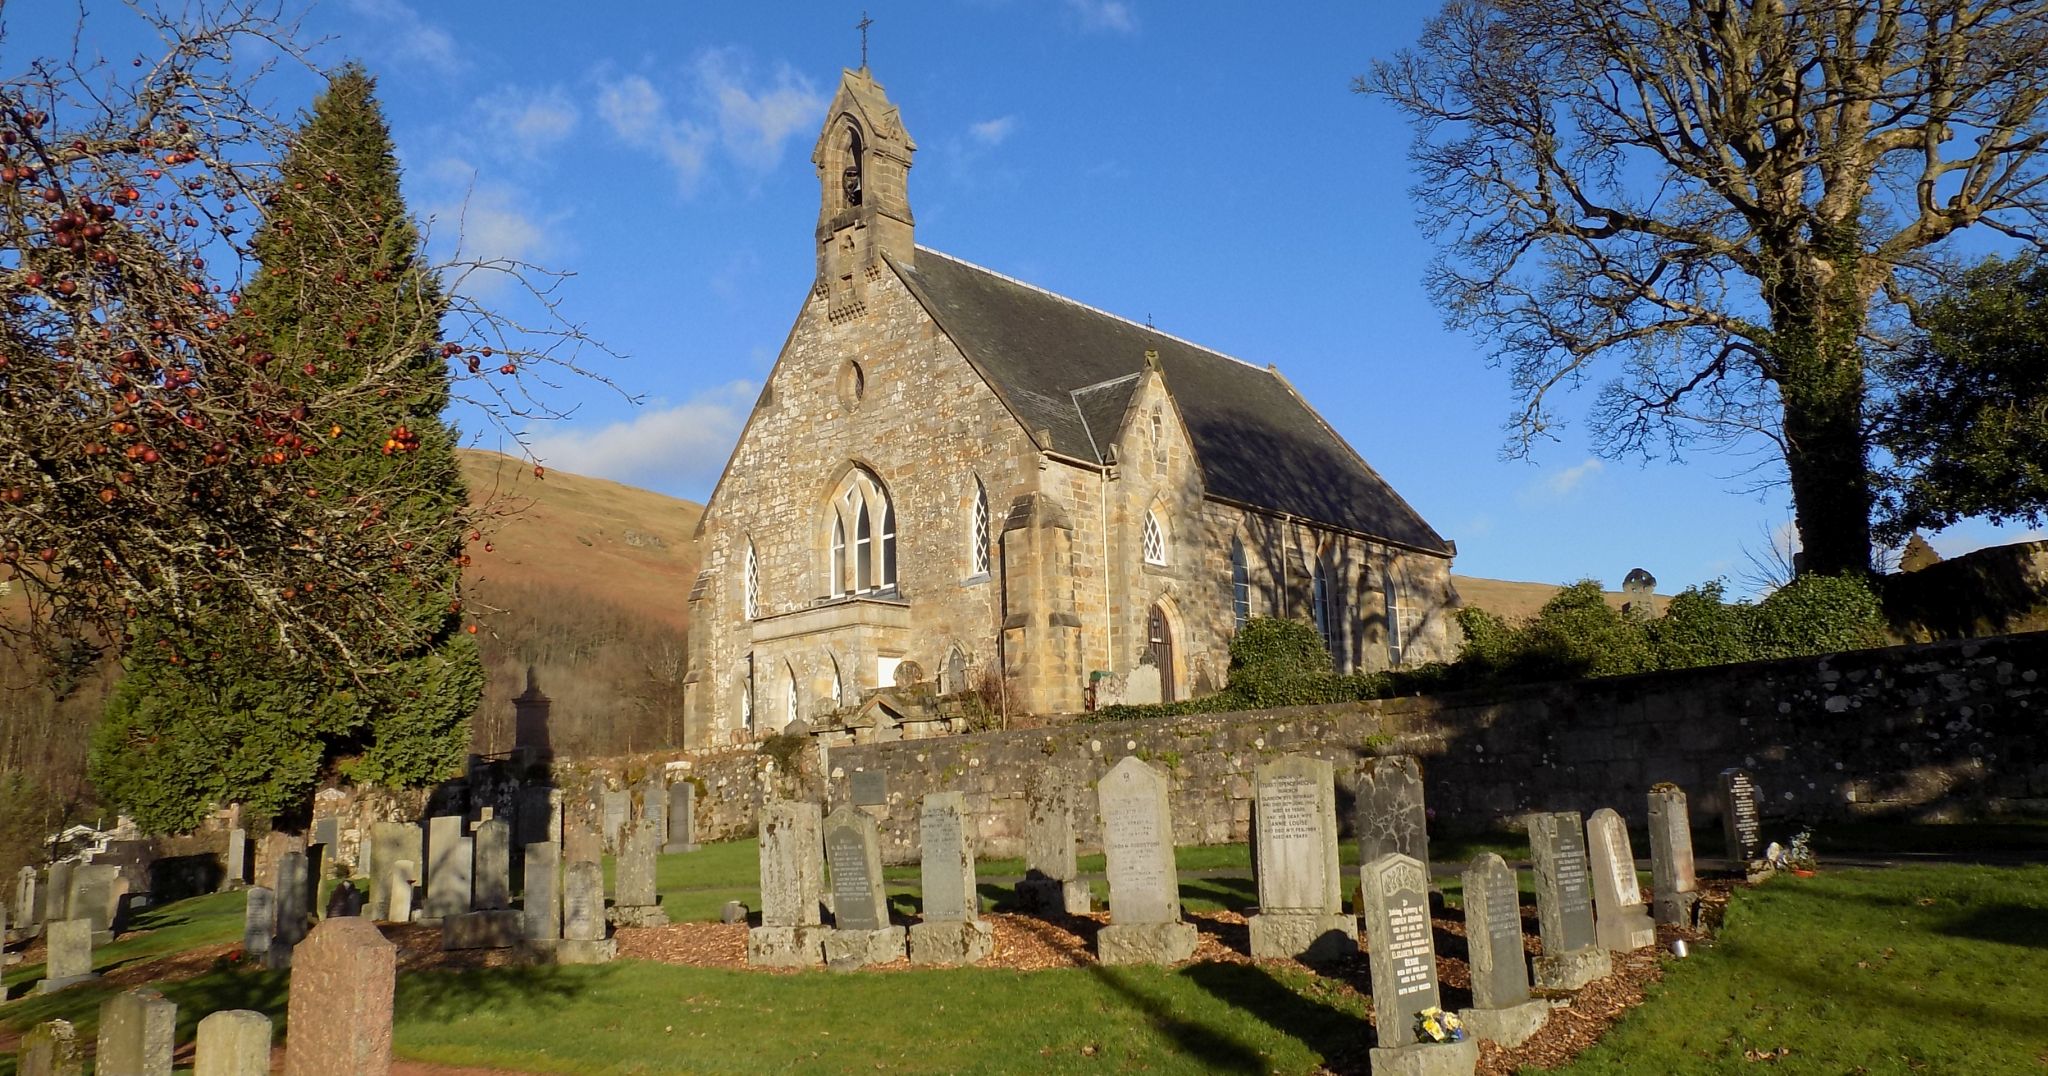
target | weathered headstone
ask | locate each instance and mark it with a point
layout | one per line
(1301, 901)
(583, 927)
(96, 891)
(57, 902)
(870, 788)
(68, 956)
(1395, 894)
(28, 904)
(493, 865)
(682, 818)
(1622, 923)
(1741, 819)
(497, 929)
(1674, 885)
(392, 843)
(1501, 1009)
(862, 933)
(1390, 816)
(233, 1042)
(1052, 883)
(343, 978)
(952, 931)
(138, 1031)
(448, 872)
(237, 860)
(536, 815)
(542, 903)
(51, 1048)
(259, 919)
(789, 934)
(1144, 886)
(294, 898)
(327, 831)
(617, 812)
(637, 904)
(398, 900)
(653, 806)
(1564, 903)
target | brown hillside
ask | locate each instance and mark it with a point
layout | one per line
(586, 583)
(1511, 600)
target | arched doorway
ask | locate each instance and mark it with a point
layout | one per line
(1159, 636)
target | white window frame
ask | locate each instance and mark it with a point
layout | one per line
(1240, 583)
(751, 594)
(978, 533)
(1154, 540)
(790, 713)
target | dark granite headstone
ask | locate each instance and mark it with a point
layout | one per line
(1740, 818)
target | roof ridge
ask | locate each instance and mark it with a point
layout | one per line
(1028, 286)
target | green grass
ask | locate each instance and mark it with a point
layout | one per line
(1908, 970)
(154, 932)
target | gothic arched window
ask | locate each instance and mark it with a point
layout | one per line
(752, 583)
(850, 180)
(1155, 539)
(790, 710)
(1240, 584)
(1319, 601)
(978, 532)
(860, 506)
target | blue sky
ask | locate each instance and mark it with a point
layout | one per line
(1201, 164)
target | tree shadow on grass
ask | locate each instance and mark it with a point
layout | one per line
(2008, 924)
(449, 995)
(1236, 894)
(1216, 1051)
(1340, 1038)
(1237, 937)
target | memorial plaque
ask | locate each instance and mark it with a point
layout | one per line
(1297, 836)
(1137, 840)
(583, 902)
(870, 789)
(327, 831)
(853, 855)
(1403, 963)
(1564, 895)
(1740, 817)
(1493, 934)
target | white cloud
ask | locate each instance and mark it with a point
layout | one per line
(1563, 483)
(407, 36)
(1113, 16)
(993, 132)
(756, 122)
(687, 443)
(484, 221)
(522, 123)
(639, 114)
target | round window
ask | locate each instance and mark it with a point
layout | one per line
(853, 384)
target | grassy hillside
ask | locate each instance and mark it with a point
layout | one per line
(586, 582)
(1511, 600)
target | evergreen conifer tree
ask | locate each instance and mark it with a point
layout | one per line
(342, 297)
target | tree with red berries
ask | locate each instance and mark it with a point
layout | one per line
(182, 475)
(342, 296)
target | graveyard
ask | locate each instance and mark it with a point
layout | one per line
(1254, 956)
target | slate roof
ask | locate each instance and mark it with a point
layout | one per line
(1070, 369)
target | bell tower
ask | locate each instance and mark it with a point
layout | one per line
(863, 161)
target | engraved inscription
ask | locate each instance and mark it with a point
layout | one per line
(1288, 808)
(1409, 947)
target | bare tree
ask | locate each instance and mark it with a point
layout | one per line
(154, 460)
(1727, 201)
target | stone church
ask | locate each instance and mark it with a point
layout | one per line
(952, 475)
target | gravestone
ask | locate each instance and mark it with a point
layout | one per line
(542, 903)
(68, 956)
(1564, 903)
(1741, 821)
(1052, 882)
(138, 1031)
(583, 927)
(233, 1042)
(57, 902)
(1301, 903)
(327, 832)
(682, 818)
(317, 862)
(1390, 816)
(1674, 885)
(237, 859)
(1622, 923)
(448, 871)
(952, 931)
(617, 812)
(1395, 894)
(1144, 887)
(496, 929)
(862, 933)
(582, 836)
(392, 843)
(294, 900)
(789, 934)
(536, 815)
(493, 865)
(398, 901)
(653, 797)
(96, 891)
(870, 788)
(28, 906)
(259, 919)
(1502, 1010)
(339, 1011)
(51, 1048)
(636, 903)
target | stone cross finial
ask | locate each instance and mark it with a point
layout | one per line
(862, 26)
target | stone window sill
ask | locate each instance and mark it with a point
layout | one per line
(975, 580)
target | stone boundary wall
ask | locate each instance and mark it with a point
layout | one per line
(1930, 731)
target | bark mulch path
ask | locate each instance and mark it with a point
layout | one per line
(1026, 943)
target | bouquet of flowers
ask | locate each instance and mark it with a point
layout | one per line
(1435, 1025)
